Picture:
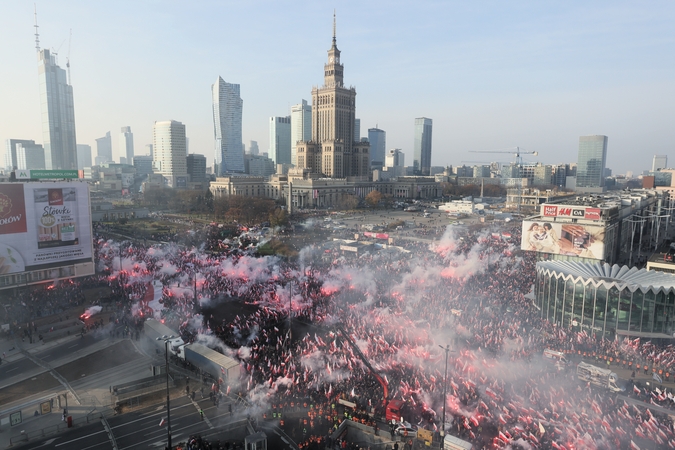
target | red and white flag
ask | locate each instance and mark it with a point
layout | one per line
(162, 422)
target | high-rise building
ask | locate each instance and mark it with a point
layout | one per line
(591, 163)
(10, 152)
(301, 127)
(332, 150)
(259, 165)
(378, 146)
(253, 148)
(58, 114)
(659, 162)
(169, 152)
(280, 140)
(149, 149)
(395, 158)
(227, 114)
(143, 164)
(357, 130)
(83, 156)
(422, 146)
(196, 168)
(127, 144)
(104, 149)
(30, 156)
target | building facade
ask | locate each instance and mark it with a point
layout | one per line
(280, 140)
(591, 164)
(30, 156)
(196, 168)
(227, 123)
(170, 153)
(422, 146)
(104, 149)
(127, 144)
(143, 164)
(10, 152)
(378, 145)
(83, 156)
(606, 300)
(58, 114)
(659, 162)
(332, 150)
(301, 127)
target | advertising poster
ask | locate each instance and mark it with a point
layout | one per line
(570, 239)
(43, 225)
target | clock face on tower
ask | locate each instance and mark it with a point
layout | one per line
(330, 59)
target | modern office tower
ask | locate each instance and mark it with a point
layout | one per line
(559, 177)
(591, 163)
(357, 130)
(58, 114)
(196, 168)
(169, 152)
(395, 158)
(149, 149)
(301, 127)
(332, 150)
(227, 113)
(479, 171)
(143, 164)
(280, 140)
(104, 149)
(259, 165)
(378, 146)
(659, 162)
(422, 146)
(253, 148)
(83, 156)
(10, 152)
(30, 156)
(127, 144)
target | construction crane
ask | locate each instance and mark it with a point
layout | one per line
(515, 151)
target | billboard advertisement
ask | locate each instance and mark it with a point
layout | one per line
(44, 225)
(577, 212)
(586, 241)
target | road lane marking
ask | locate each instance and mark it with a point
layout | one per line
(73, 345)
(80, 438)
(16, 368)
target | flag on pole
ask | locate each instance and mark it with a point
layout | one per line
(656, 377)
(636, 389)
(162, 422)
(542, 430)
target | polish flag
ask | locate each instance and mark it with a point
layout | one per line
(162, 422)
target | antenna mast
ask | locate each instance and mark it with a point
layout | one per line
(70, 38)
(37, 34)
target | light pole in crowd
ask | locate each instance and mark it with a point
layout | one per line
(166, 340)
(445, 385)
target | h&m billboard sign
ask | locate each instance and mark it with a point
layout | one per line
(575, 212)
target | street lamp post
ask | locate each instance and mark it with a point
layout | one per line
(166, 340)
(445, 385)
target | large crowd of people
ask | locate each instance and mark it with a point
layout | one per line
(367, 330)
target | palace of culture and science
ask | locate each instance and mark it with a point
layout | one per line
(332, 150)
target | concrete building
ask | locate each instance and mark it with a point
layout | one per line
(332, 150)
(143, 164)
(11, 162)
(659, 162)
(280, 140)
(591, 164)
(30, 156)
(301, 127)
(227, 123)
(253, 148)
(104, 149)
(58, 114)
(481, 171)
(395, 158)
(357, 130)
(127, 144)
(422, 145)
(170, 154)
(196, 168)
(378, 144)
(260, 165)
(83, 156)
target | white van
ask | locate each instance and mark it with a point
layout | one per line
(556, 357)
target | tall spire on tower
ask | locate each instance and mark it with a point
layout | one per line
(37, 34)
(333, 27)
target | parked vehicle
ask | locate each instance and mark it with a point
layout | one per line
(600, 377)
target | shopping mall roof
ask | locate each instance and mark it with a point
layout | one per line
(620, 276)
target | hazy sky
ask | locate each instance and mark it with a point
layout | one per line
(491, 74)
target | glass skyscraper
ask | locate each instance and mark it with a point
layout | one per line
(227, 113)
(422, 146)
(591, 163)
(127, 144)
(378, 145)
(58, 114)
(280, 140)
(301, 127)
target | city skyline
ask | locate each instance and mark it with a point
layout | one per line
(525, 75)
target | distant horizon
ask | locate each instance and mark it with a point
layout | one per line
(491, 77)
